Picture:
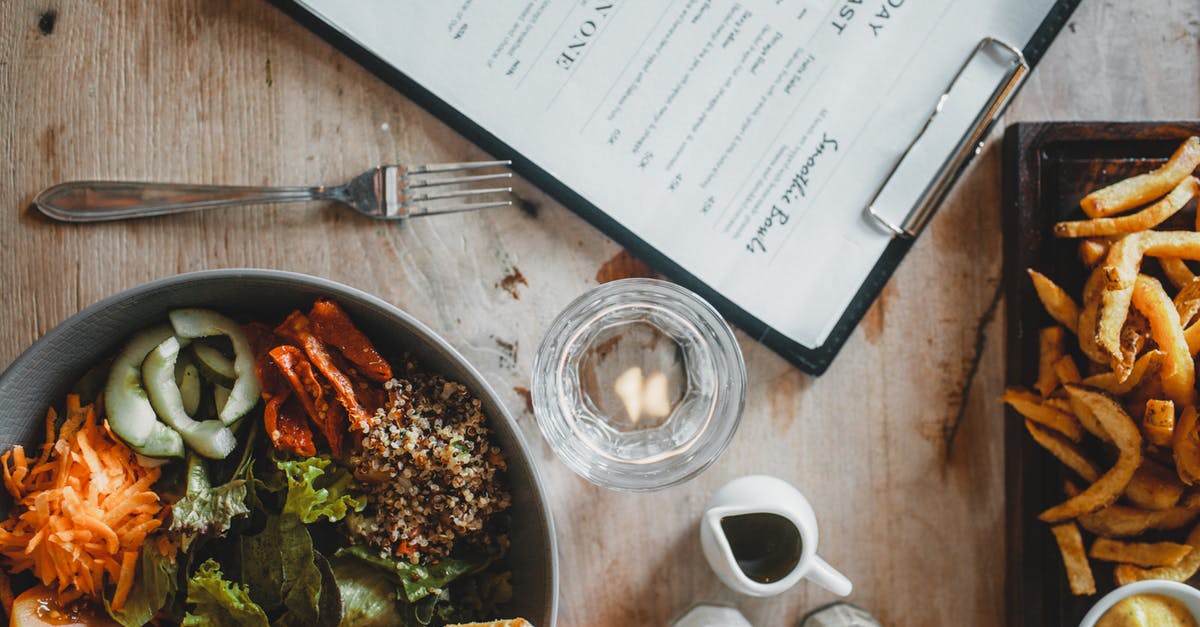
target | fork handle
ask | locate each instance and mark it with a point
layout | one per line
(98, 201)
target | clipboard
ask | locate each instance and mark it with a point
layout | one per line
(903, 223)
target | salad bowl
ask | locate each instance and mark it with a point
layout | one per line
(47, 370)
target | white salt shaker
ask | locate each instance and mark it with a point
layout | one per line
(708, 615)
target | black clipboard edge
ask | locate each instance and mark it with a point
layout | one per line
(813, 361)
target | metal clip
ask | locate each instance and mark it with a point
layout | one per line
(967, 147)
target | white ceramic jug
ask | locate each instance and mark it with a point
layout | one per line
(761, 494)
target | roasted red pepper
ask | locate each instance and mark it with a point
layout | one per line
(297, 330)
(311, 394)
(331, 325)
(286, 426)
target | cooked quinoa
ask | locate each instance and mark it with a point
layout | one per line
(433, 477)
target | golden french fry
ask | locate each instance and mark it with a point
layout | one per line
(1030, 405)
(1122, 521)
(1192, 336)
(1186, 442)
(1125, 435)
(1176, 271)
(1187, 301)
(1051, 349)
(1139, 553)
(1089, 317)
(1178, 369)
(1120, 271)
(1154, 486)
(1158, 423)
(1147, 218)
(1148, 364)
(1139, 190)
(1070, 544)
(1065, 451)
(1092, 251)
(1066, 370)
(1058, 304)
(1133, 338)
(1181, 571)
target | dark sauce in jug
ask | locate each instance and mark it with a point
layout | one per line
(766, 546)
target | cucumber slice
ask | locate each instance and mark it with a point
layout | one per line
(163, 442)
(220, 396)
(188, 379)
(210, 438)
(213, 365)
(150, 462)
(195, 323)
(130, 415)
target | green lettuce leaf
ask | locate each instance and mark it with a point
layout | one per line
(220, 603)
(279, 567)
(416, 581)
(477, 596)
(210, 512)
(368, 599)
(153, 586)
(205, 510)
(315, 490)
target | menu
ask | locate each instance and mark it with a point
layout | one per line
(743, 140)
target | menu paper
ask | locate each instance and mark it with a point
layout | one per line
(742, 140)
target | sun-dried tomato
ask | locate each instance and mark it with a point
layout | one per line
(331, 325)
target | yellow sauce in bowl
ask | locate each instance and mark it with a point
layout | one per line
(1146, 610)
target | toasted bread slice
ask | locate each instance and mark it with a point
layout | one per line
(502, 622)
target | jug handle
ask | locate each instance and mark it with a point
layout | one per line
(826, 576)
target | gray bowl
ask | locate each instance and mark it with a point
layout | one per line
(44, 373)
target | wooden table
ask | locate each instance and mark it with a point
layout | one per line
(898, 445)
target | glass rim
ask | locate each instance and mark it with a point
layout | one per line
(702, 323)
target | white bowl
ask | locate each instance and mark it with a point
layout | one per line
(1188, 595)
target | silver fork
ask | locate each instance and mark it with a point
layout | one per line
(386, 192)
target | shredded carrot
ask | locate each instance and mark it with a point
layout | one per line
(82, 509)
(125, 581)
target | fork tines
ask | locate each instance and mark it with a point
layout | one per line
(431, 202)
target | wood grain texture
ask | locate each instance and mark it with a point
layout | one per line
(898, 445)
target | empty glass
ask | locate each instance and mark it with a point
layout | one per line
(638, 385)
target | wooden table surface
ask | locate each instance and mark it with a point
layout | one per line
(898, 445)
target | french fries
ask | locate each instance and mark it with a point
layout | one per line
(1158, 423)
(1079, 572)
(1032, 407)
(1181, 571)
(1146, 554)
(1148, 363)
(1186, 444)
(1089, 317)
(1187, 302)
(1178, 370)
(1120, 270)
(1154, 487)
(1066, 370)
(1137, 337)
(1176, 271)
(1147, 218)
(1058, 304)
(1064, 450)
(1052, 347)
(1125, 435)
(1122, 521)
(1093, 251)
(1143, 188)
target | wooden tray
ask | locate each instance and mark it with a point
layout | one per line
(1048, 168)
